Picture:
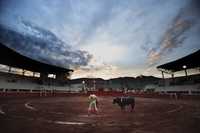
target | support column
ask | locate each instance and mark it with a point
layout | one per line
(33, 74)
(172, 75)
(9, 70)
(163, 78)
(23, 72)
(172, 78)
(162, 74)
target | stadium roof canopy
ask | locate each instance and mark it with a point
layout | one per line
(12, 58)
(187, 62)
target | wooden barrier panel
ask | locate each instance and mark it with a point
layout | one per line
(98, 93)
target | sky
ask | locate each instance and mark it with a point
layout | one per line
(102, 38)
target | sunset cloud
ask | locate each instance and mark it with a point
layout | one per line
(106, 38)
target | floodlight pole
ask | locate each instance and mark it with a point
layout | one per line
(84, 89)
(185, 69)
(186, 73)
(94, 85)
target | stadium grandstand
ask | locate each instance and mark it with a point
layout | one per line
(23, 74)
(187, 84)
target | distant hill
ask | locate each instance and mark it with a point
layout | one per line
(117, 83)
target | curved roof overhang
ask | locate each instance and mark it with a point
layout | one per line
(12, 58)
(188, 62)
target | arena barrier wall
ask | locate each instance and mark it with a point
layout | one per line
(98, 93)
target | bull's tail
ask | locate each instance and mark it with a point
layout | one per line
(132, 105)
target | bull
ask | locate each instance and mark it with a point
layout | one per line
(125, 101)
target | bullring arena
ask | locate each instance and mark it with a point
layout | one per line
(37, 103)
(101, 66)
(69, 114)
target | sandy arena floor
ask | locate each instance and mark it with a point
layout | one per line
(69, 115)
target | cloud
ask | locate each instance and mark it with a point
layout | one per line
(95, 68)
(174, 37)
(120, 35)
(41, 44)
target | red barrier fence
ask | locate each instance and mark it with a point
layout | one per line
(98, 93)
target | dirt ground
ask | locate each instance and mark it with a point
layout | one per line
(69, 115)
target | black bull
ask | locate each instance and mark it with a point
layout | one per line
(124, 101)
